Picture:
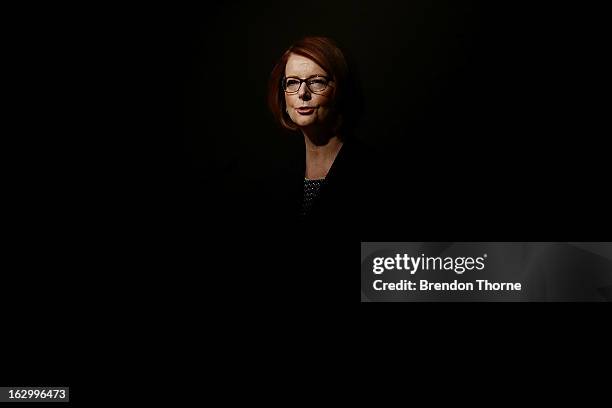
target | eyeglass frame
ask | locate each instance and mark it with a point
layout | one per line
(284, 80)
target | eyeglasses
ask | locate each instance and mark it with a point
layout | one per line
(316, 84)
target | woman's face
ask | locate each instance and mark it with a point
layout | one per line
(306, 108)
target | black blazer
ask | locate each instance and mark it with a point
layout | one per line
(349, 204)
(346, 196)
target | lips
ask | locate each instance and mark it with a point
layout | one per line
(305, 110)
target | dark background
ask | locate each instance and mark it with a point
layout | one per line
(131, 158)
(487, 119)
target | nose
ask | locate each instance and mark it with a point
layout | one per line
(304, 92)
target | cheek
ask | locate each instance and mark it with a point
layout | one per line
(324, 102)
(325, 105)
(290, 100)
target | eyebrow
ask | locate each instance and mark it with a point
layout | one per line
(311, 76)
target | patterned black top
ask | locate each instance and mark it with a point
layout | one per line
(311, 192)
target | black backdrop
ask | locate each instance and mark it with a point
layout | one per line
(488, 117)
(132, 138)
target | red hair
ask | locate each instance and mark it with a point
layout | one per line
(326, 53)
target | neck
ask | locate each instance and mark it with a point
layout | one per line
(321, 151)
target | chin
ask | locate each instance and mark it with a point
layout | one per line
(302, 122)
(306, 123)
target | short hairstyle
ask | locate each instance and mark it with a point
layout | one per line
(328, 55)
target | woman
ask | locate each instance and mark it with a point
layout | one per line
(312, 92)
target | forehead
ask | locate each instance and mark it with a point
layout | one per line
(300, 66)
